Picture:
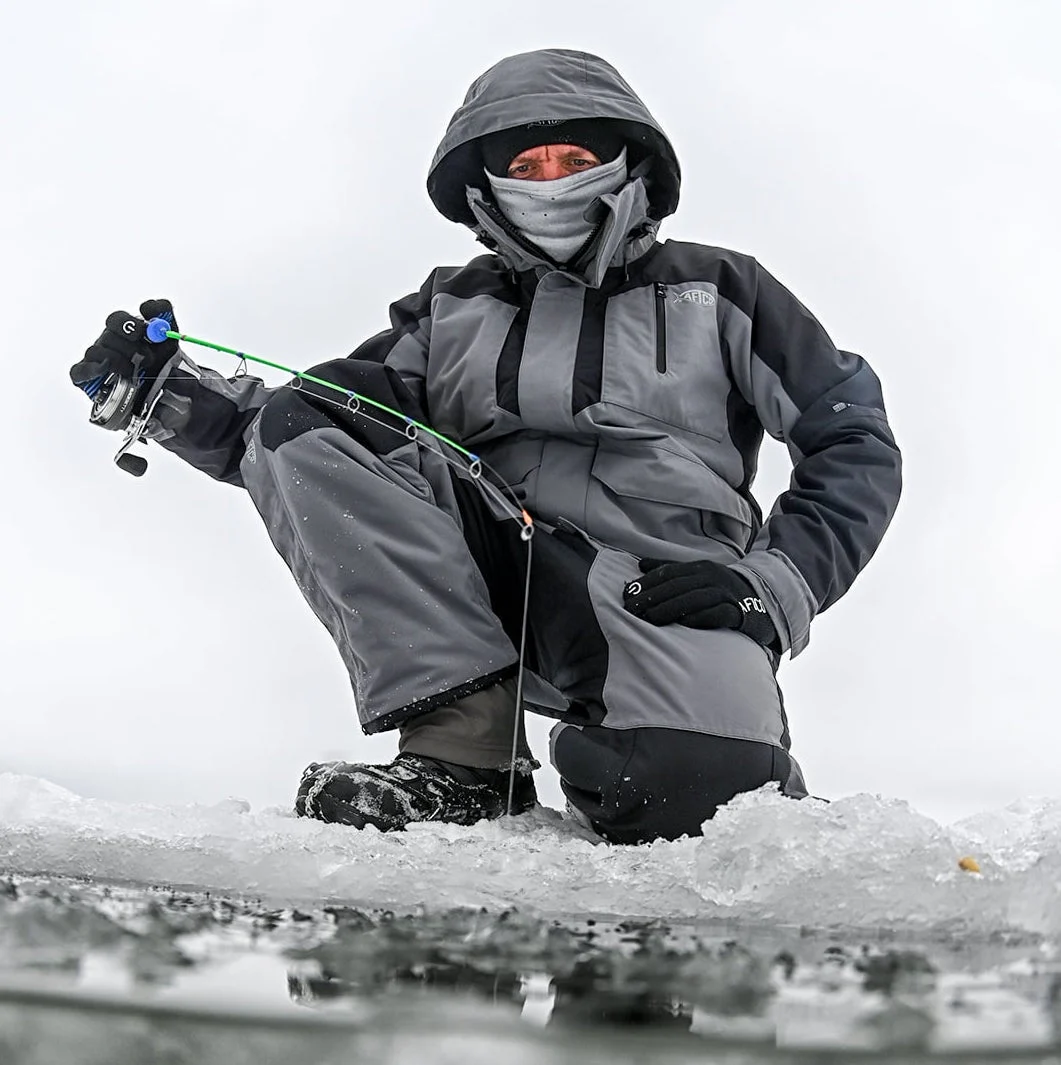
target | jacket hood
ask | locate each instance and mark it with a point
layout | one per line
(550, 85)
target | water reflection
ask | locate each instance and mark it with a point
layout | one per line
(792, 989)
(556, 973)
(145, 954)
(540, 998)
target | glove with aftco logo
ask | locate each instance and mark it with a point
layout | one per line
(123, 348)
(702, 595)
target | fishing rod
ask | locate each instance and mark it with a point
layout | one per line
(114, 406)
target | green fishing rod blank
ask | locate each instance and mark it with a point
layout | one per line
(171, 334)
(158, 330)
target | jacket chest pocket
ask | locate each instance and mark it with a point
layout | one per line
(662, 357)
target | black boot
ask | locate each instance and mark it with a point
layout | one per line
(411, 788)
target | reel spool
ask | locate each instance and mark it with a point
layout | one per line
(116, 407)
(115, 404)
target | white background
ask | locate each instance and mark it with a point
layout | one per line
(262, 164)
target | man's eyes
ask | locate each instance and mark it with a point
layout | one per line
(576, 162)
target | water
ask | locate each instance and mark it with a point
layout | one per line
(790, 932)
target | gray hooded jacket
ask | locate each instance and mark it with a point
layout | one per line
(626, 396)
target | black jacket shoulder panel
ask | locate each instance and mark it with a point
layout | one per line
(485, 275)
(731, 272)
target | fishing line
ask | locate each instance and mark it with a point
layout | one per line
(519, 679)
(158, 330)
(526, 534)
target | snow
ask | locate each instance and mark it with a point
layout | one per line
(860, 862)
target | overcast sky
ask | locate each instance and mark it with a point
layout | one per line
(262, 164)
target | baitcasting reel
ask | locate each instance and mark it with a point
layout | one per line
(117, 404)
(117, 407)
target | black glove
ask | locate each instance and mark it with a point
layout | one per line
(123, 349)
(702, 595)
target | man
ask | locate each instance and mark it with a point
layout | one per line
(618, 388)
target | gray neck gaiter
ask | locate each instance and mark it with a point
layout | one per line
(552, 214)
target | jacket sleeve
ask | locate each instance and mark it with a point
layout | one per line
(826, 405)
(205, 418)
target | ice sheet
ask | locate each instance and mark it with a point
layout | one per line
(857, 862)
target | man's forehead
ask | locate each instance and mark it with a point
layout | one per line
(555, 149)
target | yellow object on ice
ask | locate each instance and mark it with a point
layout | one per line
(969, 864)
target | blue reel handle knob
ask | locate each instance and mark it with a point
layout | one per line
(157, 329)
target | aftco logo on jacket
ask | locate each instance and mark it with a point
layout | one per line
(700, 296)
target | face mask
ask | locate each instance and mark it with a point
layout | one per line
(552, 214)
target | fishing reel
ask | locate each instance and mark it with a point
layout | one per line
(117, 406)
(119, 403)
